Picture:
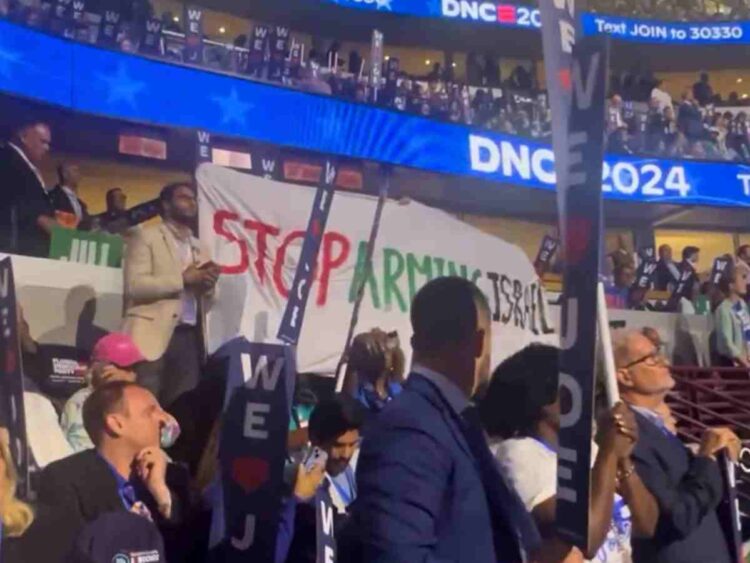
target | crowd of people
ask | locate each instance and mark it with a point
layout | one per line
(39, 208)
(676, 10)
(450, 462)
(696, 127)
(723, 294)
(642, 117)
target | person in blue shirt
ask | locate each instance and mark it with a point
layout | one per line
(127, 470)
(375, 370)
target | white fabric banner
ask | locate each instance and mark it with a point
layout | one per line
(254, 228)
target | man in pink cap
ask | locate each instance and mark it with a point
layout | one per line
(114, 358)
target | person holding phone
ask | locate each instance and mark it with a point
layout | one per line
(330, 464)
(169, 284)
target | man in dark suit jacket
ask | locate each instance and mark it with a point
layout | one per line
(428, 487)
(26, 213)
(667, 273)
(65, 201)
(127, 470)
(687, 487)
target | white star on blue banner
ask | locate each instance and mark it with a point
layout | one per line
(121, 87)
(233, 110)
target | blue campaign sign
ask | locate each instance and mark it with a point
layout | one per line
(506, 14)
(252, 449)
(108, 83)
(294, 313)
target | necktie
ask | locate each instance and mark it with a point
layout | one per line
(500, 500)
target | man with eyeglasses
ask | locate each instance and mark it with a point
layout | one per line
(687, 487)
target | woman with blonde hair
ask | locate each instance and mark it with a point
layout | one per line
(16, 515)
(28, 534)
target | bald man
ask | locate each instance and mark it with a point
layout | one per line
(687, 487)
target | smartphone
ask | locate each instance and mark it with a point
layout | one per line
(316, 457)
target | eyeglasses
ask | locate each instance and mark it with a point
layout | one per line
(653, 359)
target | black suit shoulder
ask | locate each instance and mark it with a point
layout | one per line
(83, 483)
(16, 172)
(24, 201)
(75, 466)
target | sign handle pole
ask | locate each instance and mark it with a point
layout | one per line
(385, 184)
(605, 341)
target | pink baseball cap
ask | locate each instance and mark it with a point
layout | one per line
(117, 348)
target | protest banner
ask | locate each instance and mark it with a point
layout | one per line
(294, 313)
(252, 449)
(546, 253)
(324, 533)
(254, 227)
(583, 299)
(11, 377)
(193, 18)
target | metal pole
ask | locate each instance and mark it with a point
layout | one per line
(385, 184)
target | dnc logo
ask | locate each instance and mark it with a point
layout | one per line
(121, 558)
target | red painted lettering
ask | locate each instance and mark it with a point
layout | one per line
(220, 228)
(261, 247)
(331, 261)
(278, 267)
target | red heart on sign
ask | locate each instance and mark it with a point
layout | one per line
(250, 473)
(564, 77)
(578, 238)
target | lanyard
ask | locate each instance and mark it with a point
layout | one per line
(346, 496)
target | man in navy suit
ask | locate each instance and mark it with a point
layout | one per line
(687, 487)
(428, 487)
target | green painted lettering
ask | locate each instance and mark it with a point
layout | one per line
(393, 269)
(439, 266)
(364, 275)
(414, 267)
